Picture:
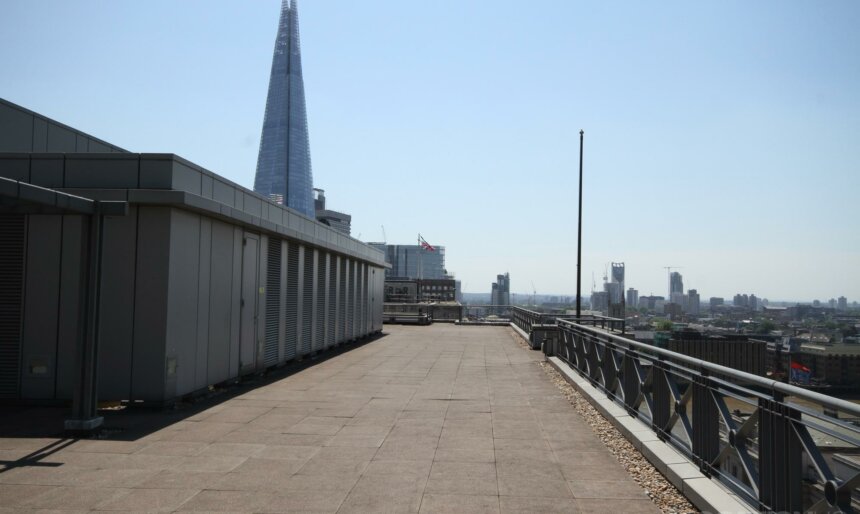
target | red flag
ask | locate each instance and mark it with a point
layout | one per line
(799, 366)
(425, 245)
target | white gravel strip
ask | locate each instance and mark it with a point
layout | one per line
(656, 486)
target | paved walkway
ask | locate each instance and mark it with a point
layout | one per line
(430, 419)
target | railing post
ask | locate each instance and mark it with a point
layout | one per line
(706, 424)
(662, 397)
(780, 462)
(630, 382)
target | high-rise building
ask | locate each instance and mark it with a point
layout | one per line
(693, 302)
(413, 261)
(842, 303)
(615, 290)
(632, 298)
(336, 220)
(500, 293)
(284, 162)
(676, 283)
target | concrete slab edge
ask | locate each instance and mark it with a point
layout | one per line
(705, 494)
(520, 331)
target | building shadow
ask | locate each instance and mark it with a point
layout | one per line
(131, 421)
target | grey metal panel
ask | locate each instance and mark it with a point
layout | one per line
(40, 135)
(107, 171)
(223, 192)
(13, 251)
(282, 316)
(250, 303)
(220, 303)
(71, 280)
(236, 307)
(61, 139)
(206, 185)
(16, 130)
(150, 300)
(201, 358)
(47, 170)
(81, 143)
(182, 289)
(362, 319)
(253, 205)
(186, 178)
(98, 147)
(291, 307)
(41, 307)
(116, 320)
(15, 167)
(156, 173)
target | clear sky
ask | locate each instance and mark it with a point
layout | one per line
(723, 137)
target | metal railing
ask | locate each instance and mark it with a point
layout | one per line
(780, 447)
(524, 319)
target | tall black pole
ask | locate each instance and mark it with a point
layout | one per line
(579, 237)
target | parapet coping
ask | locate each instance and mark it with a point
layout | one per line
(705, 494)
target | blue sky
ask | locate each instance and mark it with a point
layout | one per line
(723, 137)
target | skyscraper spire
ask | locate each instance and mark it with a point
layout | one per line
(284, 162)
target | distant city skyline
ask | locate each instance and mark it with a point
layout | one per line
(719, 137)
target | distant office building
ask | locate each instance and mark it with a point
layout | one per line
(458, 291)
(816, 303)
(831, 303)
(500, 293)
(679, 299)
(632, 298)
(676, 283)
(423, 290)
(600, 301)
(336, 220)
(842, 303)
(413, 261)
(716, 301)
(650, 302)
(284, 162)
(753, 302)
(693, 303)
(741, 300)
(615, 289)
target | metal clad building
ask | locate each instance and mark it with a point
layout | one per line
(203, 281)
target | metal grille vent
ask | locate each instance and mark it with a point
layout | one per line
(341, 313)
(307, 301)
(350, 311)
(332, 301)
(273, 301)
(291, 310)
(12, 233)
(320, 307)
(365, 300)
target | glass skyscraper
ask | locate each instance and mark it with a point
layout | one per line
(284, 162)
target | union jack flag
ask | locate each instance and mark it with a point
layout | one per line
(425, 245)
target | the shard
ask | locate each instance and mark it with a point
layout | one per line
(284, 162)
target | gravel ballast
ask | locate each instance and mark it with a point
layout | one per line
(665, 495)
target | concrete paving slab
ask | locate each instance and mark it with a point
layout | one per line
(439, 418)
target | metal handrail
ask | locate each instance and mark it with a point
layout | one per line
(762, 382)
(766, 454)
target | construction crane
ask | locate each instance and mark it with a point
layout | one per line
(384, 237)
(669, 277)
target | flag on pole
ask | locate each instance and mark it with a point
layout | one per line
(425, 245)
(800, 374)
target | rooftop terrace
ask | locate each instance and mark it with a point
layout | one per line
(431, 419)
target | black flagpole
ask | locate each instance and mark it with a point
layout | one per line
(579, 237)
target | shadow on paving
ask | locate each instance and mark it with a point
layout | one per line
(139, 420)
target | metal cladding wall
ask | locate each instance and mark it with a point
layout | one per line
(22, 130)
(203, 281)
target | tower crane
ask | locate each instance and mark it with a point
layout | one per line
(669, 278)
